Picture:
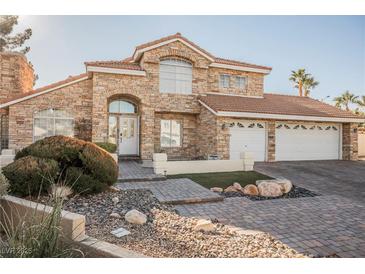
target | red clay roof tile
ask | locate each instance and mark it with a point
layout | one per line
(275, 104)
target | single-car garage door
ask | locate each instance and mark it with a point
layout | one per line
(307, 142)
(248, 136)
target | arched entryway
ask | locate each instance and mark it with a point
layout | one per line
(123, 126)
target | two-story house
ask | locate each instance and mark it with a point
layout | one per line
(173, 96)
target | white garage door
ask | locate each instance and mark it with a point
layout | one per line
(248, 136)
(307, 142)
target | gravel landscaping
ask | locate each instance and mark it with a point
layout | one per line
(295, 192)
(166, 234)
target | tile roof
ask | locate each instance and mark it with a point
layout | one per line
(127, 63)
(275, 104)
(123, 64)
(44, 88)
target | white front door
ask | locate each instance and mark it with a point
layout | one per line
(304, 141)
(248, 136)
(128, 136)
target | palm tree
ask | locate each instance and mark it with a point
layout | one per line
(345, 99)
(361, 101)
(308, 84)
(298, 77)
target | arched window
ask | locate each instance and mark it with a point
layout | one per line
(176, 76)
(121, 106)
(52, 122)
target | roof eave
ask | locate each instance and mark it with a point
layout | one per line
(288, 117)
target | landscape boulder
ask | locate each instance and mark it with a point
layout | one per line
(204, 225)
(285, 184)
(237, 186)
(135, 217)
(230, 189)
(216, 189)
(115, 215)
(270, 189)
(250, 190)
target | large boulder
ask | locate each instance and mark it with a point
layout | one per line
(286, 185)
(250, 190)
(135, 217)
(237, 186)
(204, 225)
(230, 189)
(270, 189)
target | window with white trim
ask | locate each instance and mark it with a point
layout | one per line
(52, 122)
(170, 133)
(176, 76)
(241, 82)
(224, 81)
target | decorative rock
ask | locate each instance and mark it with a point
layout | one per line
(114, 189)
(115, 215)
(60, 191)
(120, 232)
(216, 189)
(204, 225)
(231, 189)
(269, 189)
(237, 186)
(250, 190)
(135, 217)
(285, 184)
(115, 200)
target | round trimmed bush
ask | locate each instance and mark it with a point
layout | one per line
(83, 183)
(95, 168)
(31, 175)
(110, 147)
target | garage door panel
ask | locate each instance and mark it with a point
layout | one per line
(248, 138)
(308, 143)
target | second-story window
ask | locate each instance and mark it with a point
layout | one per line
(241, 82)
(224, 81)
(176, 76)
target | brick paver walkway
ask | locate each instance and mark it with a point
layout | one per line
(133, 171)
(175, 191)
(320, 226)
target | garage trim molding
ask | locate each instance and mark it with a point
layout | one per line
(282, 116)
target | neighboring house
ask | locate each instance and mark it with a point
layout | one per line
(173, 96)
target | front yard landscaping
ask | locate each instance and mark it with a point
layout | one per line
(223, 179)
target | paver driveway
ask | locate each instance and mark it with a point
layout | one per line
(333, 223)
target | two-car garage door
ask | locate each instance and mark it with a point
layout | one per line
(307, 142)
(301, 141)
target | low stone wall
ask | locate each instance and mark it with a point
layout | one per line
(18, 210)
(164, 167)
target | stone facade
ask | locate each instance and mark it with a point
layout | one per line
(76, 99)
(203, 133)
(16, 74)
(349, 141)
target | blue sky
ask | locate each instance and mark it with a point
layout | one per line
(332, 48)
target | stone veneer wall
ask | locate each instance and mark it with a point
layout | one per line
(188, 124)
(254, 87)
(206, 134)
(349, 141)
(76, 99)
(16, 74)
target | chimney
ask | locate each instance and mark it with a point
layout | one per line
(16, 74)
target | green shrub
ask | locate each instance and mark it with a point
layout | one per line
(31, 175)
(95, 164)
(110, 147)
(99, 164)
(83, 183)
(64, 150)
(4, 184)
